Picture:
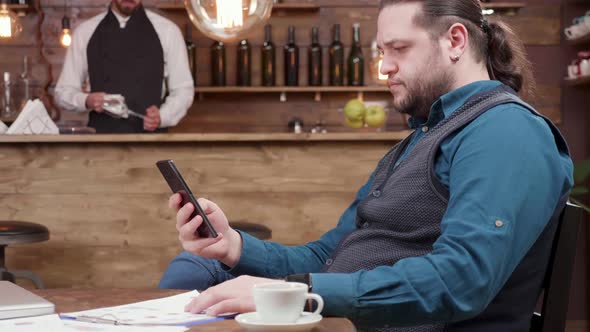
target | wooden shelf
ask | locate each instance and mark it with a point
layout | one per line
(584, 40)
(297, 6)
(277, 6)
(209, 137)
(304, 89)
(21, 10)
(585, 80)
(509, 8)
(283, 90)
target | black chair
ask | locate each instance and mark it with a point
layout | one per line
(256, 230)
(557, 281)
(16, 232)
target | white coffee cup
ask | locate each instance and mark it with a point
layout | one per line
(283, 302)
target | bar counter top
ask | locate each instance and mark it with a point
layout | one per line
(206, 137)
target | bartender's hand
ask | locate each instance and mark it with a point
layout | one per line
(234, 295)
(94, 101)
(152, 120)
(226, 247)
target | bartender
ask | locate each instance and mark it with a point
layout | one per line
(133, 52)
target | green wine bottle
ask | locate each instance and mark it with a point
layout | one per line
(244, 63)
(218, 64)
(191, 50)
(268, 67)
(356, 61)
(291, 52)
(336, 59)
(315, 59)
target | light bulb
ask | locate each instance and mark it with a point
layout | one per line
(65, 39)
(228, 20)
(9, 23)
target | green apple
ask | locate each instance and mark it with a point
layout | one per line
(375, 116)
(355, 110)
(354, 123)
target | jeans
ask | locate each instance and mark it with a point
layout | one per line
(188, 271)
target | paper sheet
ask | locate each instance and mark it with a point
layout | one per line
(52, 323)
(48, 323)
(164, 311)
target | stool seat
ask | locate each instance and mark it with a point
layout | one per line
(14, 232)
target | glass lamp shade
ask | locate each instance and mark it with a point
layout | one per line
(228, 20)
(10, 25)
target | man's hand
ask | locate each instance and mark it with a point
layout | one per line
(94, 101)
(226, 247)
(234, 295)
(152, 119)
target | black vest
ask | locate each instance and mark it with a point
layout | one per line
(129, 62)
(401, 218)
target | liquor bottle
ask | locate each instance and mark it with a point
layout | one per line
(268, 59)
(291, 52)
(7, 102)
(356, 61)
(315, 59)
(244, 63)
(27, 86)
(336, 59)
(191, 50)
(218, 64)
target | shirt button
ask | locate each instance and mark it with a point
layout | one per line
(366, 225)
(377, 193)
(425, 129)
(329, 261)
(499, 223)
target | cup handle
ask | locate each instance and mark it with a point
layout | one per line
(319, 300)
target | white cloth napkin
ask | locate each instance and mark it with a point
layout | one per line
(33, 119)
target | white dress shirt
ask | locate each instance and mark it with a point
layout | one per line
(70, 96)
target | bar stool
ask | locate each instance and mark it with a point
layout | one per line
(256, 230)
(16, 232)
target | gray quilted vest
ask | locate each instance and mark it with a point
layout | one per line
(401, 218)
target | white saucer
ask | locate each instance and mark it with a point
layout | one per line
(251, 322)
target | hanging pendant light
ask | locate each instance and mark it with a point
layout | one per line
(228, 20)
(65, 39)
(10, 25)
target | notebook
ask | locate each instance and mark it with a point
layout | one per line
(16, 301)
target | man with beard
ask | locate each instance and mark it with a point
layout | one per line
(132, 52)
(454, 227)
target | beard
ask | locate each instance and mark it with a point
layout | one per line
(127, 11)
(427, 86)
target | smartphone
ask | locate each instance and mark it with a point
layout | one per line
(178, 185)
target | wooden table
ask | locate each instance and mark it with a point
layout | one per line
(67, 300)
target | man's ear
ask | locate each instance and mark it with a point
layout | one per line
(456, 40)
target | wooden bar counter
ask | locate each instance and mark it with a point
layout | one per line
(105, 202)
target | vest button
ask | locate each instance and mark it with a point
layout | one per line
(425, 129)
(329, 261)
(366, 225)
(377, 193)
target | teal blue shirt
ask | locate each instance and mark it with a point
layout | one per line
(504, 165)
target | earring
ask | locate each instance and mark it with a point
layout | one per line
(456, 58)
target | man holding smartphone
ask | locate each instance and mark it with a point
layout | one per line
(454, 227)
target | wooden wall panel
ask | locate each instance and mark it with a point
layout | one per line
(106, 204)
